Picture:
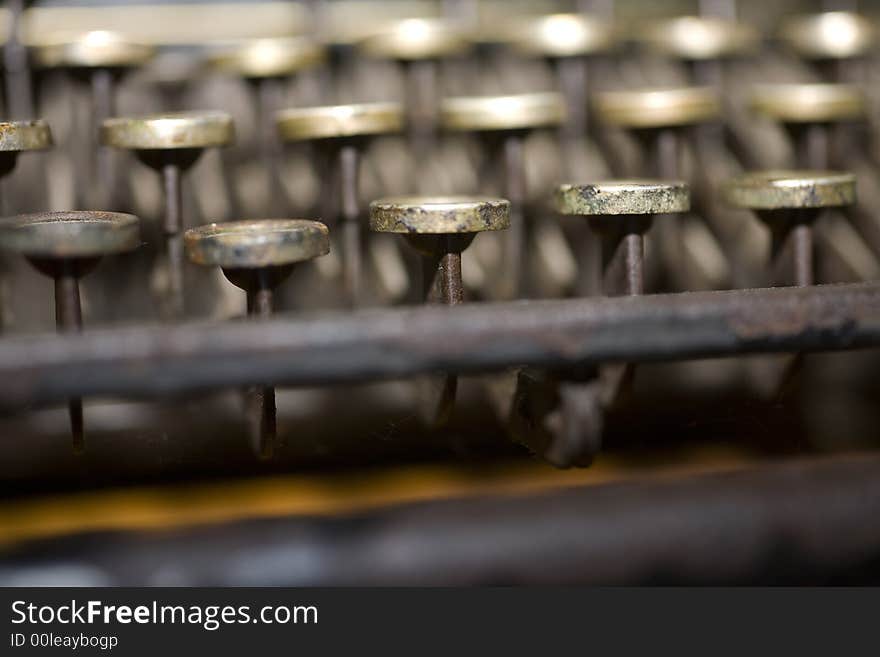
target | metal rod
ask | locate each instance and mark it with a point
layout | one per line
(103, 108)
(261, 399)
(392, 343)
(19, 91)
(800, 522)
(270, 97)
(68, 318)
(173, 227)
(515, 236)
(352, 249)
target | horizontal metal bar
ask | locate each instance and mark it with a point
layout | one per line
(797, 522)
(338, 347)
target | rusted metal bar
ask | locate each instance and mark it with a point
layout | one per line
(811, 521)
(390, 343)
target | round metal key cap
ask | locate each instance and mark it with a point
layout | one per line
(266, 58)
(257, 243)
(439, 215)
(783, 190)
(413, 39)
(72, 234)
(95, 49)
(696, 38)
(169, 131)
(658, 107)
(340, 121)
(491, 113)
(829, 35)
(809, 103)
(623, 197)
(562, 35)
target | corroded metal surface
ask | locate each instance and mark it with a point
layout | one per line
(73, 234)
(658, 107)
(829, 35)
(335, 121)
(369, 345)
(171, 130)
(95, 49)
(562, 35)
(264, 58)
(623, 197)
(439, 215)
(516, 112)
(700, 37)
(257, 242)
(416, 38)
(777, 190)
(24, 136)
(809, 103)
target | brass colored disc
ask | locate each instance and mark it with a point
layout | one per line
(337, 121)
(829, 35)
(809, 103)
(415, 38)
(695, 38)
(266, 58)
(658, 107)
(72, 234)
(489, 113)
(562, 35)
(256, 243)
(439, 215)
(778, 190)
(95, 49)
(623, 197)
(18, 136)
(195, 129)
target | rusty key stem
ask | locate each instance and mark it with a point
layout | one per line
(349, 164)
(68, 319)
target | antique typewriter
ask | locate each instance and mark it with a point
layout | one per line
(462, 292)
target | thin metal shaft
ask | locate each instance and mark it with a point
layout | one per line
(270, 96)
(68, 318)
(262, 398)
(352, 255)
(19, 94)
(103, 107)
(173, 227)
(421, 83)
(515, 236)
(792, 251)
(572, 74)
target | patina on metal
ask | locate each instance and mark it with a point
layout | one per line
(16, 136)
(659, 107)
(514, 112)
(257, 242)
(622, 197)
(439, 215)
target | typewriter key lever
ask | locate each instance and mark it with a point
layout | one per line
(788, 203)
(170, 144)
(343, 132)
(440, 229)
(67, 246)
(258, 255)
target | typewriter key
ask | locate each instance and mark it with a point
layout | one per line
(67, 246)
(19, 136)
(256, 256)
(343, 132)
(503, 122)
(807, 111)
(568, 42)
(440, 229)
(830, 36)
(418, 45)
(170, 144)
(266, 64)
(788, 202)
(99, 58)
